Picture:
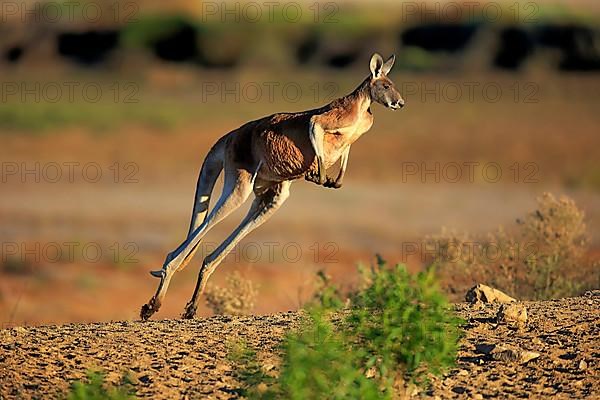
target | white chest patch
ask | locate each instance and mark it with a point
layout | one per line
(354, 131)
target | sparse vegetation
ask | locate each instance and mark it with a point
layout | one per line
(95, 388)
(398, 329)
(237, 298)
(545, 258)
(404, 321)
(101, 117)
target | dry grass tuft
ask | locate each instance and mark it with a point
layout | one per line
(546, 256)
(237, 298)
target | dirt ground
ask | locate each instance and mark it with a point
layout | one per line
(188, 359)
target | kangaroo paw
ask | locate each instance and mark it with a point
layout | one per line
(329, 182)
(149, 309)
(190, 311)
(332, 183)
(158, 274)
(312, 176)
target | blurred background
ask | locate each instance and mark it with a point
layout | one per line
(107, 109)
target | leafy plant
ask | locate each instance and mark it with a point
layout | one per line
(404, 322)
(320, 362)
(255, 379)
(398, 328)
(96, 389)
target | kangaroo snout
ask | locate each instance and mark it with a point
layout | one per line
(397, 104)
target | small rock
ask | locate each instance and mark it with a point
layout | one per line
(412, 390)
(19, 329)
(484, 348)
(478, 396)
(537, 341)
(527, 356)
(509, 354)
(31, 386)
(269, 366)
(583, 364)
(462, 372)
(513, 315)
(371, 372)
(459, 389)
(568, 356)
(262, 387)
(486, 294)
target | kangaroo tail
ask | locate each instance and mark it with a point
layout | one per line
(211, 168)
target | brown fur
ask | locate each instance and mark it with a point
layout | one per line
(281, 142)
(263, 157)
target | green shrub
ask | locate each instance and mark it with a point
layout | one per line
(96, 389)
(320, 363)
(404, 322)
(398, 329)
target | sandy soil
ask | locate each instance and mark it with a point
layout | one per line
(187, 359)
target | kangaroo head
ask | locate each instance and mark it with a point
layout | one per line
(382, 89)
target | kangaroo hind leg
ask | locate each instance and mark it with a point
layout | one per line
(267, 201)
(236, 189)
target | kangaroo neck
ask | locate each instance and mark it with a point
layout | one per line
(361, 96)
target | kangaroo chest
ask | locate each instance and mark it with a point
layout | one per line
(352, 132)
(337, 140)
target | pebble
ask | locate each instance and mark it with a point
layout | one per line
(459, 389)
(513, 315)
(485, 294)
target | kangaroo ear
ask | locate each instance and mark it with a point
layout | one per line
(376, 64)
(387, 66)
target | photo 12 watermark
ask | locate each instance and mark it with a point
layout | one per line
(252, 12)
(55, 12)
(468, 172)
(288, 252)
(69, 92)
(471, 91)
(27, 254)
(464, 252)
(16, 255)
(68, 172)
(467, 12)
(267, 91)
